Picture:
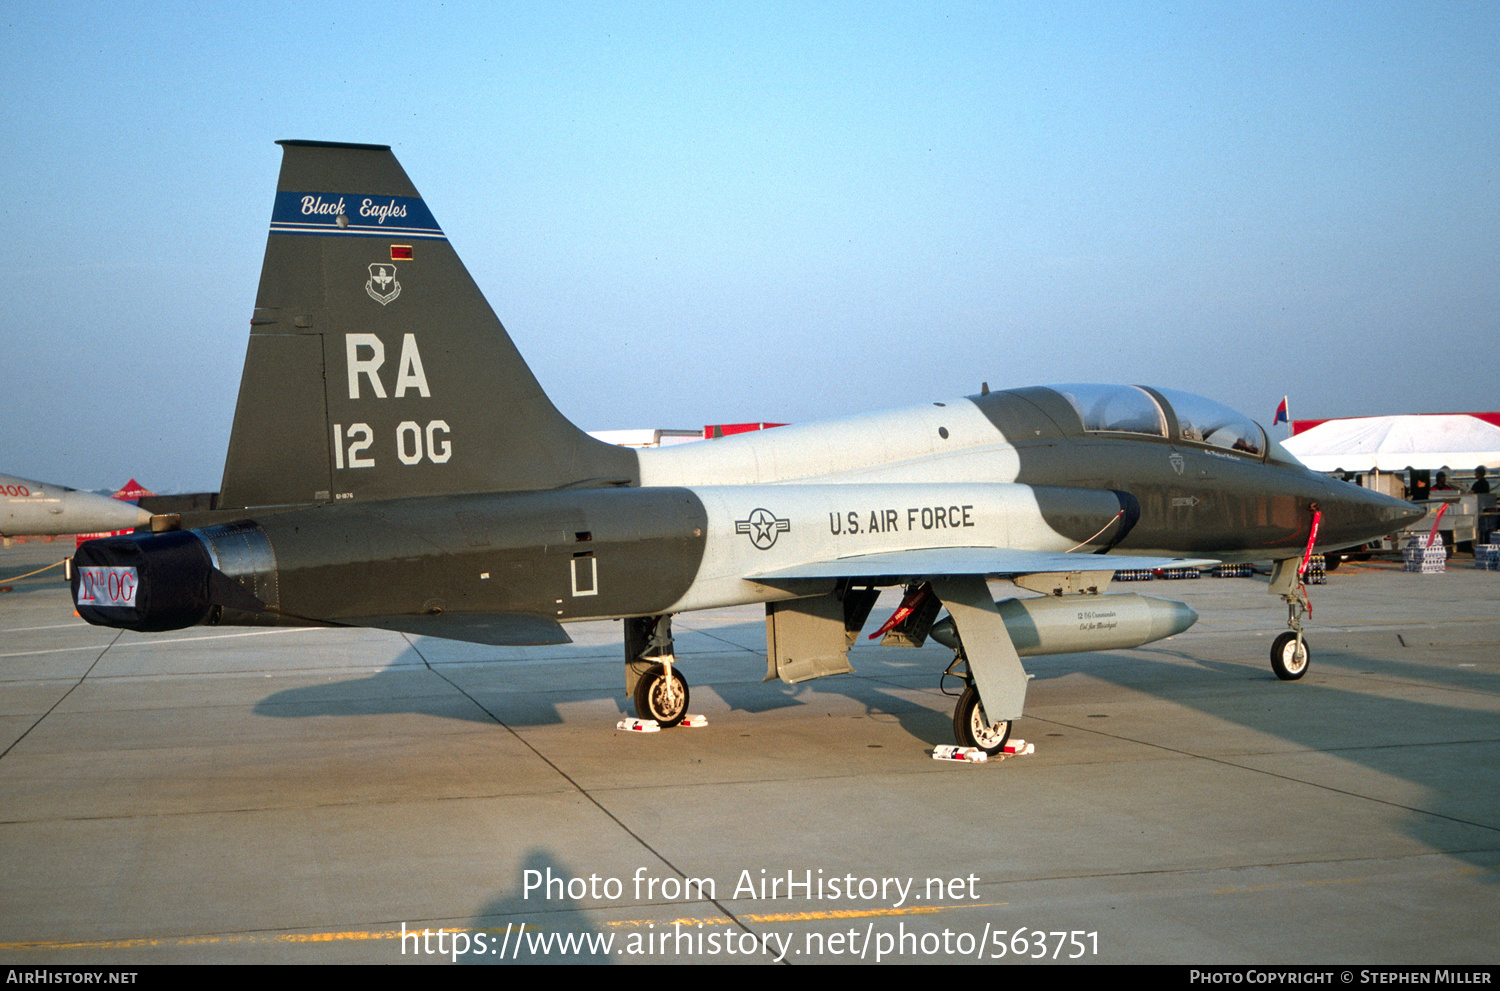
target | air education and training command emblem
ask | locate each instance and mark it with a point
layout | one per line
(383, 275)
(762, 527)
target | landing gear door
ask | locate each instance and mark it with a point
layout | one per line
(993, 662)
(805, 639)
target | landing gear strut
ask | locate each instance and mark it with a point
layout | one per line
(651, 678)
(1290, 653)
(971, 727)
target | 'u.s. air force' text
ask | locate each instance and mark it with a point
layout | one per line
(857, 521)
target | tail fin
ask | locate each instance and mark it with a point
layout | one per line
(376, 369)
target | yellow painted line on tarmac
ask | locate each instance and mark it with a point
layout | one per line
(243, 939)
(846, 913)
(230, 940)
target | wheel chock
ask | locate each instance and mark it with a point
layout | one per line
(634, 725)
(973, 755)
(963, 755)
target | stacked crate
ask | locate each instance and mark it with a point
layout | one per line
(1424, 557)
(1317, 570)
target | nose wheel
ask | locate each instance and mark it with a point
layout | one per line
(972, 728)
(1290, 656)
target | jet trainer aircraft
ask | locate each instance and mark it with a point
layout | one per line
(30, 508)
(395, 464)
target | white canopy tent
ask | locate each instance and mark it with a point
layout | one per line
(1427, 441)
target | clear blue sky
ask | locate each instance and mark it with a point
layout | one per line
(690, 213)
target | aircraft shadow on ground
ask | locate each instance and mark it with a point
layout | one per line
(1458, 801)
(556, 930)
(887, 681)
(482, 691)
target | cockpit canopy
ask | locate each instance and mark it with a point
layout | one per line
(1180, 417)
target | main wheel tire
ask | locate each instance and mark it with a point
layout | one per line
(1331, 562)
(1287, 661)
(973, 729)
(660, 699)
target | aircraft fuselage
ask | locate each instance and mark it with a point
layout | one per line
(395, 464)
(686, 538)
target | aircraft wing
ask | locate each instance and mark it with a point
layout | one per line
(930, 562)
(495, 629)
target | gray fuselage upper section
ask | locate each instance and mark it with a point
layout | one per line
(1194, 499)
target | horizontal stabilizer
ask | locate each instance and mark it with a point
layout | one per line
(495, 629)
(929, 562)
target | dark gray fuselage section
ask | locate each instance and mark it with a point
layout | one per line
(1194, 500)
(562, 555)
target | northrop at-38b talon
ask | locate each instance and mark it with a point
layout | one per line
(394, 464)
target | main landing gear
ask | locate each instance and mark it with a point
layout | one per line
(651, 677)
(971, 727)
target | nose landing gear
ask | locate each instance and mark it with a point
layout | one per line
(1290, 654)
(662, 694)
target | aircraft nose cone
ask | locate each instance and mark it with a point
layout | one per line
(1354, 515)
(1407, 514)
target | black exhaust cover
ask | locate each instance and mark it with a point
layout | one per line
(170, 581)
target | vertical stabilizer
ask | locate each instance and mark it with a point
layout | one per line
(376, 369)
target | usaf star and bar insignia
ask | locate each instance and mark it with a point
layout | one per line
(762, 527)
